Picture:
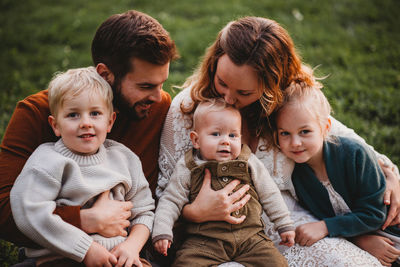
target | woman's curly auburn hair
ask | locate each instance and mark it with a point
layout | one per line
(267, 47)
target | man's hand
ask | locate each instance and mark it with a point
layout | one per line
(107, 217)
(309, 233)
(211, 205)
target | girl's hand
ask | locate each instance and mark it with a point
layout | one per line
(392, 195)
(98, 255)
(287, 238)
(378, 246)
(309, 233)
(211, 205)
(162, 246)
(106, 217)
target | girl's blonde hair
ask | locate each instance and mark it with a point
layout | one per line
(262, 44)
(75, 81)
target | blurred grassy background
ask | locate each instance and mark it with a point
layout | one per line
(355, 42)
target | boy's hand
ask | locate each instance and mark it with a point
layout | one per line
(127, 254)
(98, 255)
(287, 238)
(309, 233)
(162, 246)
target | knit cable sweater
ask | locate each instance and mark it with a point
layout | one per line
(55, 176)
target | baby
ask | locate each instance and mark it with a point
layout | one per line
(217, 147)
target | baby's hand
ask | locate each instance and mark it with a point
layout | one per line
(287, 238)
(162, 246)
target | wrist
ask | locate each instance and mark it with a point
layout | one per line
(324, 228)
(88, 224)
(190, 213)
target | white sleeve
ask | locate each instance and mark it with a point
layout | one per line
(174, 197)
(33, 202)
(270, 195)
(175, 139)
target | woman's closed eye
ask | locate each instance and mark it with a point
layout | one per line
(221, 82)
(245, 93)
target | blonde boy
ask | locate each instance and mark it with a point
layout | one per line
(75, 171)
(217, 147)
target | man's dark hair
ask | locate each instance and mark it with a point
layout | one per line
(132, 34)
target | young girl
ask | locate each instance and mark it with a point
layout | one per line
(338, 179)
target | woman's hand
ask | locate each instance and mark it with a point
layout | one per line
(309, 233)
(392, 195)
(211, 205)
(107, 217)
(378, 246)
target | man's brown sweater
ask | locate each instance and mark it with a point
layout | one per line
(28, 128)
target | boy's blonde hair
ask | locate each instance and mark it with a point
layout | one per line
(210, 105)
(75, 81)
(309, 98)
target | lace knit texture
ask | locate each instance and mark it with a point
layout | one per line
(326, 252)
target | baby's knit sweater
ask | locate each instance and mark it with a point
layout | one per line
(55, 176)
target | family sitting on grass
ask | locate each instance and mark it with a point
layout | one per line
(246, 164)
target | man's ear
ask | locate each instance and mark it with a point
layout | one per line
(53, 123)
(105, 72)
(195, 139)
(111, 121)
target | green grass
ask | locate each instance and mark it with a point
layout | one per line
(355, 42)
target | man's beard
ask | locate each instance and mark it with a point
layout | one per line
(123, 106)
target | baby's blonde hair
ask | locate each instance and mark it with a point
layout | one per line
(210, 105)
(73, 82)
